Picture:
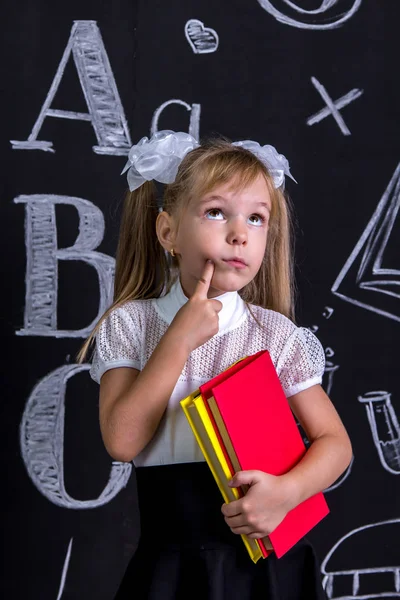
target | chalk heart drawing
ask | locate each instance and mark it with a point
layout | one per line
(202, 40)
(364, 279)
(356, 565)
(385, 428)
(307, 19)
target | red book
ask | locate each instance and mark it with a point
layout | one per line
(257, 430)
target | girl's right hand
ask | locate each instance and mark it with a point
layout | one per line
(197, 321)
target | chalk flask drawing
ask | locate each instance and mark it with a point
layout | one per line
(385, 428)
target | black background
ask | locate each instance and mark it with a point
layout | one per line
(257, 85)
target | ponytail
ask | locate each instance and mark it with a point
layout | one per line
(141, 269)
(141, 266)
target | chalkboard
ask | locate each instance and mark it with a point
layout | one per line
(84, 81)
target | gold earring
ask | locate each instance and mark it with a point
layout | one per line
(172, 251)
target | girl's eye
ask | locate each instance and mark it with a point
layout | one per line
(215, 214)
(257, 220)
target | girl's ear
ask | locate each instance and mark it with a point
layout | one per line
(165, 229)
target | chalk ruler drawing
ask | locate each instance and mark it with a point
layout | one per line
(385, 428)
(194, 123)
(363, 280)
(329, 19)
(332, 107)
(106, 113)
(65, 570)
(202, 40)
(338, 578)
(42, 442)
(43, 254)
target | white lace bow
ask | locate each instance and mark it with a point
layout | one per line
(159, 158)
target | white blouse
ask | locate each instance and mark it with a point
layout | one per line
(129, 335)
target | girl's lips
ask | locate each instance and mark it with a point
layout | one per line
(237, 263)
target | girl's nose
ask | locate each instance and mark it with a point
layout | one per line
(237, 233)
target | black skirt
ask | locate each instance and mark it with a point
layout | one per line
(186, 548)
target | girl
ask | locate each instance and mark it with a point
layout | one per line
(226, 292)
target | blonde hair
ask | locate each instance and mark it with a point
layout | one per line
(142, 267)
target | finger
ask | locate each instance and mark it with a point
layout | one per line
(231, 509)
(203, 285)
(217, 305)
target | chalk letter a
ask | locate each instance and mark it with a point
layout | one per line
(106, 113)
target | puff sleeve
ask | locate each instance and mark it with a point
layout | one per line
(118, 343)
(301, 363)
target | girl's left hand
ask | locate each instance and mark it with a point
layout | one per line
(264, 506)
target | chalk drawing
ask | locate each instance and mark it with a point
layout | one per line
(202, 40)
(341, 582)
(65, 570)
(106, 113)
(43, 254)
(42, 442)
(332, 107)
(330, 370)
(330, 20)
(194, 123)
(342, 478)
(363, 280)
(385, 428)
(327, 383)
(327, 312)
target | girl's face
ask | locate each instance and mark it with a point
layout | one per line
(228, 226)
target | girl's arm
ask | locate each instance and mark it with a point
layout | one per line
(133, 402)
(330, 450)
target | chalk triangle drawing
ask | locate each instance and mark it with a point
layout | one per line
(106, 112)
(367, 279)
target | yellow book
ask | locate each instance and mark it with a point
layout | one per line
(199, 420)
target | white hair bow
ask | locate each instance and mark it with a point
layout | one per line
(159, 158)
(277, 164)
